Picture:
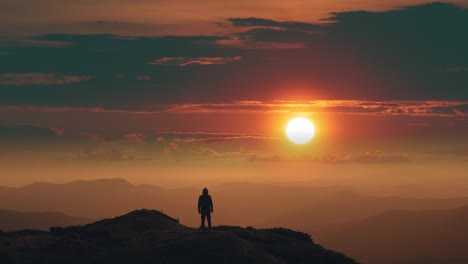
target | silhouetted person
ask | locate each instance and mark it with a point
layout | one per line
(205, 208)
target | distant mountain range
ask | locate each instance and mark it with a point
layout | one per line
(372, 229)
(146, 236)
(409, 237)
(94, 199)
(12, 220)
(304, 208)
(342, 207)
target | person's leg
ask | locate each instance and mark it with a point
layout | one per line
(208, 216)
(202, 220)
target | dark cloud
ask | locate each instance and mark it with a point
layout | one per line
(267, 35)
(39, 78)
(260, 22)
(25, 132)
(404, 49)
(265, 30)
(38, 142)
(388, 55)
(104, 57)
(103, 53)
(461, 109)
(40, 135)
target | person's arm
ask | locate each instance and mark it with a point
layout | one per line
(211, 204)
(199, 204)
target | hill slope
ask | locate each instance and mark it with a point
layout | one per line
(12, 220)
(146, 236)
(416, 237)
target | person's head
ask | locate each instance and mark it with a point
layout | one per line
(205, 191)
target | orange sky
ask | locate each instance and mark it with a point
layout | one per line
(212, 84)
(175, 17)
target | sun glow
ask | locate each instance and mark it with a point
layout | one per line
(300, 130)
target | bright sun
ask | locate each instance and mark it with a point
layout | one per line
(300, 130)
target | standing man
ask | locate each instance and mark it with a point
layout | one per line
(205, 208)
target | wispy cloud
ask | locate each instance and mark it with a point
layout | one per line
(136, 138)
(364, 157)
(357, 157)
(181, 61)
(415, 108)
(204, 151)
(40, 78)
(221, 137)
(355, 107)
(194, 137)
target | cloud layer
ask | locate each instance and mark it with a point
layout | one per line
(178, 146)
(359, 107)
(415, 53)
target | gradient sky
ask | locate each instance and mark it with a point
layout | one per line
(213, 83)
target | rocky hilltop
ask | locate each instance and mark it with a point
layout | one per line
(147, 236)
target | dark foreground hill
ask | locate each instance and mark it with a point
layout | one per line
(146, 236)
(12, 220)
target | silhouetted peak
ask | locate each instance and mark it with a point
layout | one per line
(111, 182)
(154, 215)
(136, 222)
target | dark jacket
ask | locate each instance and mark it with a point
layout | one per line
(205, 204)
